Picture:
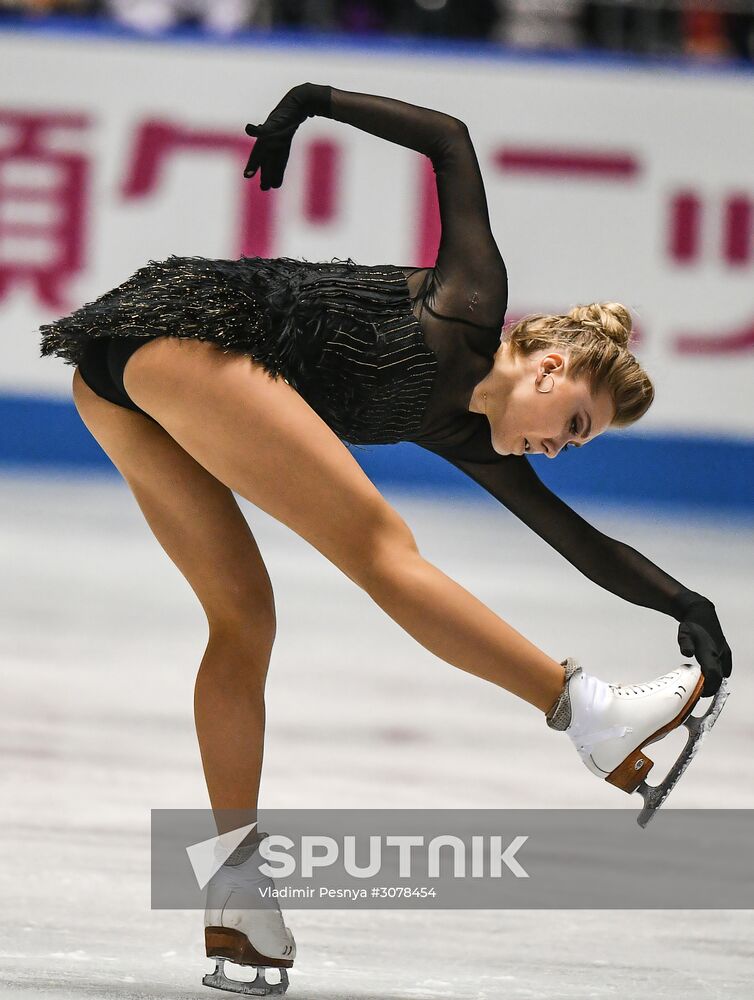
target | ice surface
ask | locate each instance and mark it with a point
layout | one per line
(99, 644)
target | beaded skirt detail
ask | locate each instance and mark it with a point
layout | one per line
(342, 334)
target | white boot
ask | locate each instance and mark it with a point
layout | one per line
(245, 927)
(611, 724)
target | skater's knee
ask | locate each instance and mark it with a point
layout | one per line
(239, 678)
(391, 547)
(238, 651)
(237, 596)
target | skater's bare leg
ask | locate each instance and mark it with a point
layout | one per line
(229, 712)
(197, 521)
(260, 438)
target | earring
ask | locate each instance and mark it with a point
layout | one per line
(484, 397)
(552, 383)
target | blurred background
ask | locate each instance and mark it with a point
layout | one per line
(617, 147)
(706, 28)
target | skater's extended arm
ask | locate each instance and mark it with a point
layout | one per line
(608, 562)
(470, 280)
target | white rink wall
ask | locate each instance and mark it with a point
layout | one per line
(606, 181)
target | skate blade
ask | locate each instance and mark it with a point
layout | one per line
(258, 987)
(698, 727)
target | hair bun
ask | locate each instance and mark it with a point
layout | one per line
(609, 318)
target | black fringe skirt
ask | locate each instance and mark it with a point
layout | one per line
(343, 335)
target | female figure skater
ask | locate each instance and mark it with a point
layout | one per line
(199, 377)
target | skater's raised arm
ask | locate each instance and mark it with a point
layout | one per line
(609, 563)
(470, 276)
(468, 251)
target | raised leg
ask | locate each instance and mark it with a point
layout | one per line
(260, 438)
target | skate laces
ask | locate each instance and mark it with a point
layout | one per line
(647, 687)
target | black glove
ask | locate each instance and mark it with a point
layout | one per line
(274, 136)
(700, 635)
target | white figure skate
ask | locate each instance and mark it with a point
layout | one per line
(244, 927)
(611, 724)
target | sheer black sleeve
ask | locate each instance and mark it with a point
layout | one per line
(470, 284)
(611, 564)
(469, 279)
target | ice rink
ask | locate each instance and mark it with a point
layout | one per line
(101, 638)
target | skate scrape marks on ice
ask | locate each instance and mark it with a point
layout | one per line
(76, 956)
(432, 988)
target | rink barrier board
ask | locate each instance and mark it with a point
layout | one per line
(680, 249)
(70, 25)
(671, 466)
(657, 470)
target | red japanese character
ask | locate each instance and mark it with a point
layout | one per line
(43, 199)
(157, 141)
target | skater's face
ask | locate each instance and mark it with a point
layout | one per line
(534, 407)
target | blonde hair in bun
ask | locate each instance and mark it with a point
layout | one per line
(611, 319)
(596, 338)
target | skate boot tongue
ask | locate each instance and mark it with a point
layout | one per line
(592, 722)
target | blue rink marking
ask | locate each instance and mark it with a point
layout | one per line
(712, 473)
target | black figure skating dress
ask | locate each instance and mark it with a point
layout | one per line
(382, 353)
